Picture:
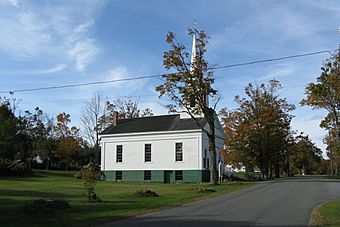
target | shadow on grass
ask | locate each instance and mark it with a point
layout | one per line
(35, 194)
(56, 173)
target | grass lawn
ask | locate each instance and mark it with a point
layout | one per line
(119, 200)
(328, 214)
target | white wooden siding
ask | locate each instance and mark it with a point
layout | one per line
(162, 151)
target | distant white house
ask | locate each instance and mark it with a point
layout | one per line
(169, 148)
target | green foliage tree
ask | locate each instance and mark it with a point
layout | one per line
(191, 83)
(257, 131)
(9, 148)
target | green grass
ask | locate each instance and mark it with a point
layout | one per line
(327, 214)
(118, 199)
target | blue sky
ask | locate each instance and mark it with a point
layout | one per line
(48, 43)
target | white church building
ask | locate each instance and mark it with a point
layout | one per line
(169, 148)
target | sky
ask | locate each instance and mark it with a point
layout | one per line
(51, 43)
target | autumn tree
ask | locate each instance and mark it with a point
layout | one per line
(189, 85)
(304, 156)
(62, 127)
(258, 130)
(325, 94)
(68, 145)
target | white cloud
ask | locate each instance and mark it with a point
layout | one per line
(54, 69)
(278, 71)
(49, 33)
(23, 36)
(118, 73)
(83, 52)
(9, 3)
(121, 72)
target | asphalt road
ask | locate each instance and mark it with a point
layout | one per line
(275, 203)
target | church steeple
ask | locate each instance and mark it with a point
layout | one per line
(193, 52)
(192, 61)
(193, 102)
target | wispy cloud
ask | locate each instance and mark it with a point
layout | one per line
(23, 36)
(270, 28)
(32, 33)
(9, 3)
(83, 52)
(278, 71)
(54, 69)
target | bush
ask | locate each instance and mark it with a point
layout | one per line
(91, 174)
(251, 176)
(14, 168)
(146, 193)
(45, 206)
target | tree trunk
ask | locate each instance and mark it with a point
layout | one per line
(212, 146)
(48, 163)
(97, 149)
(277, 170)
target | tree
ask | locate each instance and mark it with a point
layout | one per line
(304, 157)
(62, 129)
(325, 94)
(68, 149)
(127, 108)
(93, 112)
(47, 145)
(190, 85)
(9, 148)
(257, 132)
(68, 145)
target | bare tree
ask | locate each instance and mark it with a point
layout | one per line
(91, 116)
(127, 108)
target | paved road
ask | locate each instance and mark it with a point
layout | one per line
(276, 203)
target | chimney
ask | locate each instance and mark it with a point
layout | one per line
(115, 118)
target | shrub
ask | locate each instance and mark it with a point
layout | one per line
(14, 168)
(146, 193)
(251, 176)
(45, 206)
(91, 174)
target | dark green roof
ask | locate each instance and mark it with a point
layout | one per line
(154, 124)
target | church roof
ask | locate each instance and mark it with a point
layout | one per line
(154, 124)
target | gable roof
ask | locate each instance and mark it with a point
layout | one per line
(154, 124)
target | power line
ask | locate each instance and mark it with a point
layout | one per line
(80, 84)
(159, 75)
(271, 59)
